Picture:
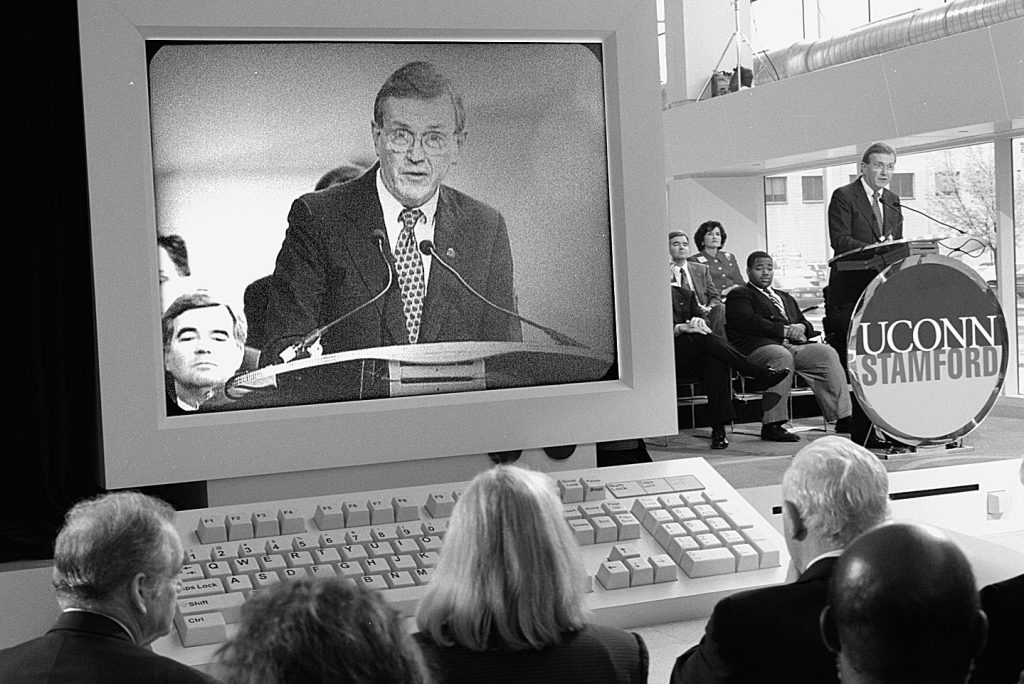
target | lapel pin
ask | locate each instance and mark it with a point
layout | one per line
(450, 253)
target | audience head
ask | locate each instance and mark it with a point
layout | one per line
(342, 174)
(678, 245)
(119, 554)
(204, 342)
(760, 269)
(903, 607)
(418, 131)
(833, 490)
(510, 573)
(712, 230)
(877, 165)
(173, 266)
(314, 630)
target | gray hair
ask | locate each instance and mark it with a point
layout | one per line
(202, 299)
(510, 573)
(877, 148)
(421, 81)
(106, 541)
(839, 487)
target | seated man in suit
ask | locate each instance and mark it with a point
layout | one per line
(903, 607)
(1002, 660)
(115, 568)
(768, 326)
(699, 351)
(696, 277)
(832, 491)
(337, 252)
(204, 343)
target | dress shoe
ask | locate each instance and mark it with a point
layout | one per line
(774, 432)
(718, 440)
(844, 425)
(775, 376)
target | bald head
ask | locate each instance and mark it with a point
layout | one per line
(903, 606)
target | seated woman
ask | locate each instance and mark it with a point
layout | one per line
(725, 272)
(505, 603)
(702, 353)
(314, 630)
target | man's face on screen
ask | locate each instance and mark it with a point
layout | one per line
(417, 145)
(203, 352)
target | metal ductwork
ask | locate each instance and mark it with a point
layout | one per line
(910, 28)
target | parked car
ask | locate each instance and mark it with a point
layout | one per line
(807, 294)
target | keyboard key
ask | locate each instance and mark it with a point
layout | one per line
(422, 575)
(290, 522)
(325, 570)
(303, 542)
(292, 573)
(397, 580)
(330, 541)
(746, 557)
(730, 537)
(670, 500)
(194, 556)
(707, 562)
(274, 545)
(613, 575)
(378, 550)
(265, 524)
(192, 571)
(643, 504)
(696, 526)
(629, 526)
(246, 549)
(239, 583)
(582, 531)
(590, 509)
(708, 540)
(353, 552)
(621, 490)
(593, 488)
(766, 549)
(223, 552)
(242, 566)
(664, 568)
(614, 508)
(405, 546)
(351, 570)
(383, 534)
(374, 566)
(203, 587)
(356, 513)
(653, 518)
(228, 605)
(381, 512)
(329, 517)
(357, 537)
(299, 559)
(400, 563)
(405, 510)
(679, 546)
(211, 531)
(373, 582)
(426, 559)
(731, 512)
(665, 532)
(269, 563)
(239, 526)
(693, 498)
(712, 496)
(197, 630)
(641, 572)
(623, 551)
(262, 580)
(605, 529)
(440, 504)
(683, 483)
(683, 513)
(429, 543)
(717, 524)
(655, 486)
(216, 569)
(570, 491)
(705, 511)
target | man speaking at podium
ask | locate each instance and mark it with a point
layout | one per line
(341, 242)
(860, 214)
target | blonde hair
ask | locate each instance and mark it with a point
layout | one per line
(510, 572)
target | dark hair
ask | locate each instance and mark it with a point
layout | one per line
(754, 256)
(342, 174)
(676, 233)
(175, 246)
(704, 229)
(421, 81)
(314, 630)
(877, 148)
(106, 541)
(201, 300)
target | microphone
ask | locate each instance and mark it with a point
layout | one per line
(899, 209)
(427, 247)
(313, 337)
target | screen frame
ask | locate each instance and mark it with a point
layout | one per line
(140, 446)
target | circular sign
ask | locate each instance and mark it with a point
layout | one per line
(927, 350)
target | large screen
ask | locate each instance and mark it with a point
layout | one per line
(212, 125)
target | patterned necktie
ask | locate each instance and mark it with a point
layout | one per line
(777, 301)
(409, 265)
(877, 208)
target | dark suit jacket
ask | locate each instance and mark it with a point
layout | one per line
(86, 648)
(704, 286)
(595, 655)
(329, 264)
(851, 220)
(765, 635)
(1002, 660)
(752, 320)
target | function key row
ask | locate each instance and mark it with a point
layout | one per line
(326, 516)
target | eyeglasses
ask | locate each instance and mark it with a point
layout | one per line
(403, 140)
(878, 166)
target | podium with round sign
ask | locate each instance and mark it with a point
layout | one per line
(927, 350)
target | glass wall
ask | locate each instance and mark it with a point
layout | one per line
(1018, 262)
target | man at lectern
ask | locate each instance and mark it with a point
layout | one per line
(860, 214)
(345, 244)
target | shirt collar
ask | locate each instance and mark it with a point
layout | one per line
(835, 553)
(867, 188)
(109, 617)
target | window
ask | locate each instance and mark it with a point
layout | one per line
(775, 189)
(813, 188)
(902, 184)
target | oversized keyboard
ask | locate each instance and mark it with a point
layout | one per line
(661, 542)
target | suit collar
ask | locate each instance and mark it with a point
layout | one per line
(820, 569)
(87, 621)
(442, 289)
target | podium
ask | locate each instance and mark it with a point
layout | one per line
(415, 369)
(850, 272)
